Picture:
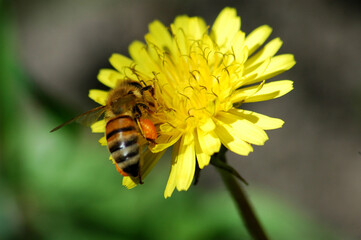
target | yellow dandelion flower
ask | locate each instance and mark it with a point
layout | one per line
(201, 76)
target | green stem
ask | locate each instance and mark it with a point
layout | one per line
(244, 207)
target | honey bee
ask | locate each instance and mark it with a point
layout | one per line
(126, 126)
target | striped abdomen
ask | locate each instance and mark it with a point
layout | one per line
(122, 137)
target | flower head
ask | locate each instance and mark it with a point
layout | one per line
(201, 77)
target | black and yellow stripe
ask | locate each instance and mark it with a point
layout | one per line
(122, 138)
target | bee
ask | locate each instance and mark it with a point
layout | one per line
(127, 127)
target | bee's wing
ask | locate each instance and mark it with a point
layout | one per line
(86, 118)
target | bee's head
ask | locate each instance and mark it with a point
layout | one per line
(123, 98)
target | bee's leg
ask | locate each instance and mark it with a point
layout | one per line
(142, 81)
(136, 111)
(151, 141)
(140, 179)
(137, 120)
(137, 114)
(146, 88)
(145, 106)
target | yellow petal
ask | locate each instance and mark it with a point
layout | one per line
(188, 139)
(226, 26)
(266, 92)
(202, 158)
(180, 23)
(128, 182)
(257, 37)
(103, 141)
(278, 65)
(173, 171)
(98, 126)
(236, 145)
(242, 128)
(145, 64)
(262, 121)
(186, 163)
(165, 141)
(197, 27)
(239, 147)
(112, 159)
(208, 141)
(239, 96)
(159, 35)
(208, 126)
(239, 48)
(110, 77)
(180, 36)
(120, 62)
(206, 145)
(269, 50)
(192, 27)
(98, 96)
(253, 74)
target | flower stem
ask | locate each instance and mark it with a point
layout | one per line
(244, 207)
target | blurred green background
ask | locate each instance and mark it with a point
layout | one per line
(304, 183)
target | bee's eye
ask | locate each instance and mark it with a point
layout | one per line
(130, 92)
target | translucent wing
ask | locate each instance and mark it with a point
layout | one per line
(86, 118)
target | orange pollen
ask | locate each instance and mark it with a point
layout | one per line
(148, 129)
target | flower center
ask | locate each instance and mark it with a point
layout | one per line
(195, 83)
